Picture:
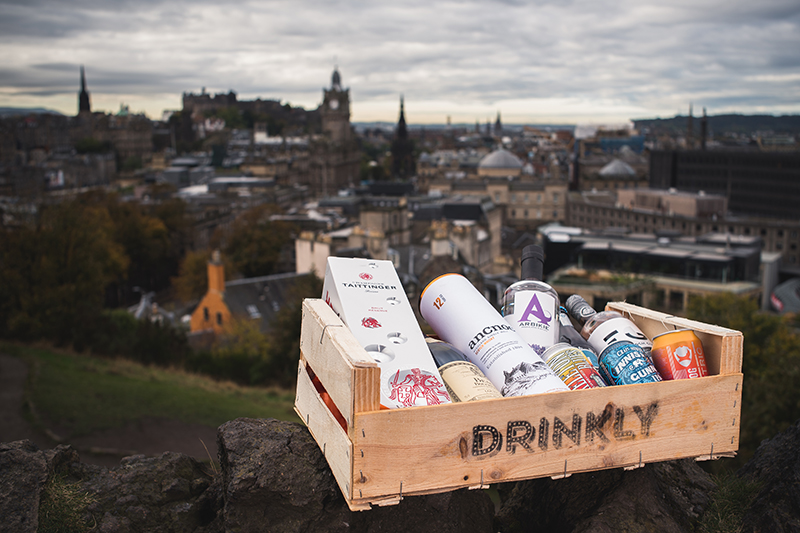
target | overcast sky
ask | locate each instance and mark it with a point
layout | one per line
(535, 62)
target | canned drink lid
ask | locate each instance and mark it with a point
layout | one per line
(672, 331)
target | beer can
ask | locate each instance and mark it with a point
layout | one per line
(679, 355)
(572, 366)
(626, 363)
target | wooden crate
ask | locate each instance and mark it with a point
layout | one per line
(384, 455)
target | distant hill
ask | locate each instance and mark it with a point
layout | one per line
(718, 124)
(15, 111)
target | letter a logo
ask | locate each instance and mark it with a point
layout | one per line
(535, 308)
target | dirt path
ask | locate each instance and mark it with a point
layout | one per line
(150, 436)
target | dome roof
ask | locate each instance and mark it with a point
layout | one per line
(617, 168)
(500, 158)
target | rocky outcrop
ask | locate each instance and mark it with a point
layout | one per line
(273, 477)
(276, 479)
(775, 467)
(668, 497)
(23, 473)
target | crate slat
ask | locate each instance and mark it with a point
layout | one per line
(434, 447)
(330, 436)
(341, 364)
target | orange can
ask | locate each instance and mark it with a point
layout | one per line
(679, 355)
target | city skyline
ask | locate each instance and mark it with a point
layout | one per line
(545, 63)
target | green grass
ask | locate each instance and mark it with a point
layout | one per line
(730, 501)
(81, 394)
(63, 506)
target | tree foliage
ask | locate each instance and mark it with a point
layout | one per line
(55, 274)
(255, 243)
(771, 365)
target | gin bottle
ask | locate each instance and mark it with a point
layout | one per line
(530, 305)
(605, 328)
(571, 336)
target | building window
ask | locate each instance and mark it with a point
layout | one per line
(526, 198)
(219, 319)
(539, 214)
(513, 198)
(205, 314)
(763, 232)
(747, 231)
(780, 233)
(794, 235)
(555, 213)
(513, 213)
(779, 246)
(497, 197)
(539, 198)
(555, 197)
(526, 213)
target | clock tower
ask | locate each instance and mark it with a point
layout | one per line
(335, 111)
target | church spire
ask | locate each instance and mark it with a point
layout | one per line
(402, 130)
(83, 96)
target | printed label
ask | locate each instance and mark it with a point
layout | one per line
(416, 387)
(616, 330)
(466, 383)
(626, 363)
(574, 369)
(535, 318)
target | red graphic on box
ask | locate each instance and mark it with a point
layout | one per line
(413, 385)
(365, 276)
(369, 322)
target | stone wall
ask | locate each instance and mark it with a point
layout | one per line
(273, 477)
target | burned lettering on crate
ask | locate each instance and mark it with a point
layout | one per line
(597, 429)
(519, 432)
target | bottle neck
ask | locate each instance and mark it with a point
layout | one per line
(579, 309)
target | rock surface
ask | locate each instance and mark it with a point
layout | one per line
(776, 466)
(276, 479)
(668, 497)
(23, 473)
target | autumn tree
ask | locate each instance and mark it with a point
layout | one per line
(55, 274)
(255, 242)
(771, 365)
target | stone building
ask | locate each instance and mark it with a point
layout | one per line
(334, 156)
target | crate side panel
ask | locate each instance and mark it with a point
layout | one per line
(330, 436)
(338, 360)
(463, 445)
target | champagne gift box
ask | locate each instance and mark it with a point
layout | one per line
(380, 456)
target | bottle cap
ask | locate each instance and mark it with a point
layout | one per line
(532, 262)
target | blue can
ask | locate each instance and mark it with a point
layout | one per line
(625, 363)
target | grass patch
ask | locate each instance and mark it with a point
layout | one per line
(81, 394)
(62, 508)
(731, 499)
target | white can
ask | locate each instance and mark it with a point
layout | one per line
(460, 315)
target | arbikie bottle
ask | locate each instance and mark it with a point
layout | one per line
(464, 381)
(530, 305)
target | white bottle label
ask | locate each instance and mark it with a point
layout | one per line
(535, 318)
(615, 330)
(460, 315)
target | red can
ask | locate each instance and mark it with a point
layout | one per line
(679, 355)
